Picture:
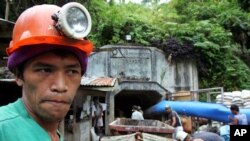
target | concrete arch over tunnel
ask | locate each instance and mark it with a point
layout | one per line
(144, 94)
(126, 99)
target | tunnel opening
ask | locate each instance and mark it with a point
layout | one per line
(9, 92)
(127, 98)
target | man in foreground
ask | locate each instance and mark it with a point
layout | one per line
(48, 67)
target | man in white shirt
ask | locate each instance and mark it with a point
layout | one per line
(137, 115)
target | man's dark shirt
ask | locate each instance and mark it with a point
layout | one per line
(170, 117)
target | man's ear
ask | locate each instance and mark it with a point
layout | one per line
(19, 81)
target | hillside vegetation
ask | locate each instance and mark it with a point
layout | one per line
(215, 33)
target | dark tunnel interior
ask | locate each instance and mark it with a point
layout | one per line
(126, 99)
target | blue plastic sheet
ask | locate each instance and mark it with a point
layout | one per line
(213, 111)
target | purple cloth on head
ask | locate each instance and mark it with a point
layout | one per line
(23, 54)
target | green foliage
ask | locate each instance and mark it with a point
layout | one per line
(216, 32)
(205, 10)
(117, 21)
(238, 23)
(244, 4)
(214, 42)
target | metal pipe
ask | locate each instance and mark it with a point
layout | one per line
(7, 9)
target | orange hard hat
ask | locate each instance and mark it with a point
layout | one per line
(35, 30)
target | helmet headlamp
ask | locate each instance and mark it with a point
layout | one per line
(73, 20)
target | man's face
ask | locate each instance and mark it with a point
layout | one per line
(168, 110)
(50, 83)
(234, 112)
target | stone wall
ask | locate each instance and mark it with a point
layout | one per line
(134, 63)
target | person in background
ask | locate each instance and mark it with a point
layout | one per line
(136, 115)
(183, 136)
(213, 129)
(98, 115)
(199, 136)
(207, 136)
(172, 118)
(48, 67)
(203, 123)
(224, 131)
(140, 110)
(237, 118)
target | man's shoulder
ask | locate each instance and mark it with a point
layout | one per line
(7, 113)
(240, 115)
(173, 113)
(136, 113)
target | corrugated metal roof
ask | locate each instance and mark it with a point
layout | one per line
(86, 81)
(98, 81)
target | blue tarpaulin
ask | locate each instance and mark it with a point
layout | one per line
(213, 111)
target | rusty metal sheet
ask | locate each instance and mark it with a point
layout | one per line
(132, 137)
(148, 126)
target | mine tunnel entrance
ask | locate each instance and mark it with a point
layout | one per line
(126, 99)
(9, 92)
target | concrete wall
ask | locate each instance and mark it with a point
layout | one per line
(78, 128)
(136, 68)
(143, 64)
(143, 71)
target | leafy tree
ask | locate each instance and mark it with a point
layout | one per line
(244, 4)
(214, 32)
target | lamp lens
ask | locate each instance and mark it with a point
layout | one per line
(77, 20)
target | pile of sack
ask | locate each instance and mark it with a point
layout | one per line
(240, 98)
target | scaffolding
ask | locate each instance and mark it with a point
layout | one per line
(209, 91)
